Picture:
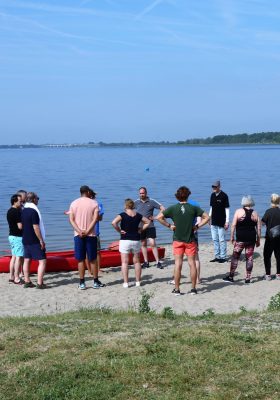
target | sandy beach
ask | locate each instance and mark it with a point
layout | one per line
(213, 293)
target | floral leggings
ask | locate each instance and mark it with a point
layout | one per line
(249, 253)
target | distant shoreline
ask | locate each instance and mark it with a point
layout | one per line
(127, 145)
(243, 139)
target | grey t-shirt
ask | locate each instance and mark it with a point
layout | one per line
(146, 208)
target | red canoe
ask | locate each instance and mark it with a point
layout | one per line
(65, 260)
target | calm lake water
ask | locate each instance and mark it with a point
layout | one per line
(116, 173)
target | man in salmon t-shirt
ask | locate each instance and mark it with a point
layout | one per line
(83, 217)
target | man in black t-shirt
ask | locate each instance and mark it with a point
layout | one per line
(15, 238)
(219, 214)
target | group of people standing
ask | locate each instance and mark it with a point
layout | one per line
(135, 225)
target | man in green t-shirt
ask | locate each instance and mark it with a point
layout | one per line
(183, 216)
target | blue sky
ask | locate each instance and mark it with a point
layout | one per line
(134, 70)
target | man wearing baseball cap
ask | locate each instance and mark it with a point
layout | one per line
(219, 214)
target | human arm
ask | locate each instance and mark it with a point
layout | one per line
(161, 219)
(74, 225)
(37, 231)
(226, 226)
(258, 229)
(19, 225)
(233, 226)
(202, 220)
(93, 222)
(116, 222)
(210, 215)
(146, 223)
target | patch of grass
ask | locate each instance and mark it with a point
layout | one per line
(168, 313)
(92, 354)
(144, 303)
(274, 304)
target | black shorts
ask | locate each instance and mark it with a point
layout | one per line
(149, 233)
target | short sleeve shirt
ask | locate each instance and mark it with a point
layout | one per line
(83, 210)
(219, 203)
(183, 216)
(29, 217)
(271, 218)
(13, 218)
(146, 208)
(130, 225)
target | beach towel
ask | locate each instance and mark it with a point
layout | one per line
(42, 228)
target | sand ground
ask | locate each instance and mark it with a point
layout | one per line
(63, 295)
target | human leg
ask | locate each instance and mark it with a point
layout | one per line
(12, 269)
(154, 249)
(124, 259)
(197, 265)
(237, 250)
(137, 265)
(41, 271)
(193, 271)
(178, 269)
(267, 253)
(223, 243)
(26, 270)
(17, 266)
(276, 245)
(216, 242)
(144, 250)
(249, 253)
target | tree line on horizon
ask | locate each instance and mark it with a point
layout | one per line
(241, 138)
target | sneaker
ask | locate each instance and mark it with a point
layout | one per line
(137, 284)
(176, 292)
(97, 285)
(171, 282)
(28, 285)
(277, 277)
(247, 280)
(145, 265)
(222, 260)
(215, 260)
(125, 285)
(82, 286)
(267, 278)
(100, 283)
(193, 291)
(159, 265)
(42, 286)
(228, 278)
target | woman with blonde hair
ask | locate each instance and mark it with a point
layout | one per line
(271, 219)
(127, 223)
(246, 226)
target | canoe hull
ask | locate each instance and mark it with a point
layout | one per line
(65, 261)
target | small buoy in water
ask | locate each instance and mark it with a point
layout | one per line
(147, 169)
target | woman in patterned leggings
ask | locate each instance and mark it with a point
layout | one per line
(246, 225)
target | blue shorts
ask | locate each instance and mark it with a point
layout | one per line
(16, 246)
(34, 252)
(85, 247)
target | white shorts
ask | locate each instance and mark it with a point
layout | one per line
(129, 246)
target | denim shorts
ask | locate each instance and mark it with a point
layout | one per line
(85, 247)
(16, 246)
(34, 252)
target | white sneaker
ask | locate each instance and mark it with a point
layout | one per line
(267, 278)
(171, 282)
(125, 285)
(137, 284)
